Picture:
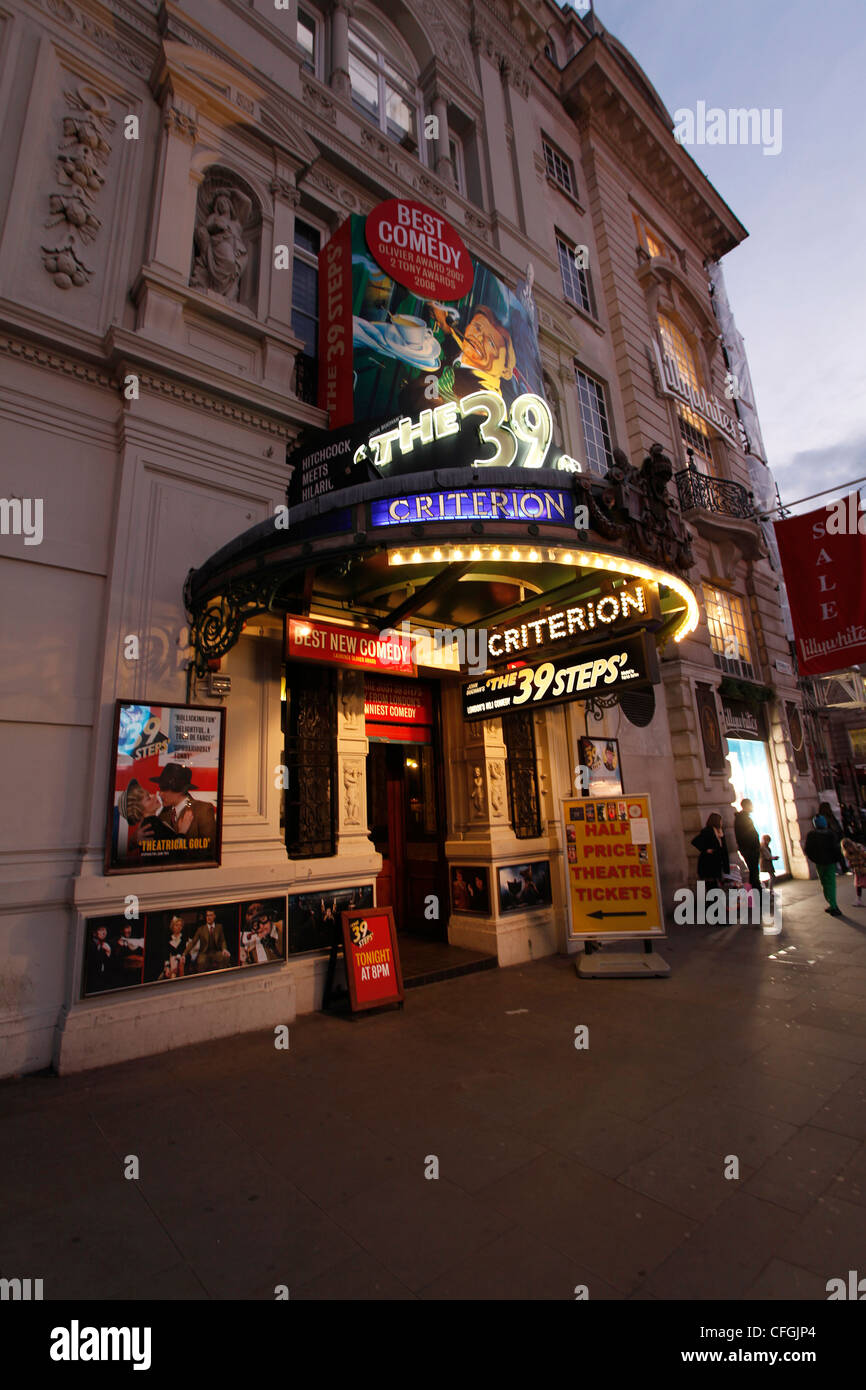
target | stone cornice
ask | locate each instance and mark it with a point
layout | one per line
(128, 38)
(599, 97)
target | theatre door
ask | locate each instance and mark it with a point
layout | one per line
(405, 802)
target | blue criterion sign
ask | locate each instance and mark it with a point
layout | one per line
(596, 670)
(470, 504)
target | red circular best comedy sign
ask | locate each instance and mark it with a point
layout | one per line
(419, 249)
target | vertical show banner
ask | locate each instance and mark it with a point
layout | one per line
(165, 788)
(612, 869)
(408, 320)
(335, 327)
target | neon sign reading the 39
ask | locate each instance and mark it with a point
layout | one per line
(528, 423)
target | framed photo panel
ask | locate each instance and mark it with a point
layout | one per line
(165, 799)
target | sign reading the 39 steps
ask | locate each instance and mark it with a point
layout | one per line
(611, 866)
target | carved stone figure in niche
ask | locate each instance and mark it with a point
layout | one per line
(477, 791)
(221, 248)
(351, 779)
(497, 775)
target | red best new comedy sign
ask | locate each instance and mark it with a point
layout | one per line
(419, 249)
(824, 563)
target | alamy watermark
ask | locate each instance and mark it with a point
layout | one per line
(731, 906)
(22, 516)
(737, 126)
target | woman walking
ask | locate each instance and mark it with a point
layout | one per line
(713, 859)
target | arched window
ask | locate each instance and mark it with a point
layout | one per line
(693, 430)
(382, 73)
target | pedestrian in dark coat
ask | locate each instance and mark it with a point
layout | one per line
(714, 862)
(822, 847)
(748, 842)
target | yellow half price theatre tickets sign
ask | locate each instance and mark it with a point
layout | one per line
(612, 874)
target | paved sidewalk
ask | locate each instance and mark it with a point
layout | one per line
(557, 1167)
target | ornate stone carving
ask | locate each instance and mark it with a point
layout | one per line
(657, 530)
(180, 122)
(476, 796)
(497, 787)
(283, 188)
(318, 101)
(83, 152)
(352, 774)
(351, 700)
(429, 188)
(222, 249)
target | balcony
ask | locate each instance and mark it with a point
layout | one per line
(719, 510)
(699, 490)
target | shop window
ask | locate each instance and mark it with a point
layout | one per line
(383, 87)
(729, 637)
(309, 30)
(310, 731)
(305, 307)
(594, 418)
(693, 431)
(518, 731)
(576, 282)
(559, 167)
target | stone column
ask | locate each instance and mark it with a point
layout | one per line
(176, 196)
(340, 14)
(444, 168)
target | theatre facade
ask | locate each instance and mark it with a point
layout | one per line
(372, 386)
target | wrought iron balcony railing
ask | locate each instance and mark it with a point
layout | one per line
(698, 489)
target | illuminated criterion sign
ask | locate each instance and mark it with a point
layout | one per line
(470, 504)
(628, 662)
(520, 436)
(590, 616)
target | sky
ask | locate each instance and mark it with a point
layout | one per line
(797, 285)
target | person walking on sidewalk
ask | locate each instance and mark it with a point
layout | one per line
(856, 856)
(713, 860)
(822, 847)
(748, 842)
(826, 810)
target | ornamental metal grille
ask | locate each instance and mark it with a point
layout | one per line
(696, 489)
(311, 759)
(518, 731)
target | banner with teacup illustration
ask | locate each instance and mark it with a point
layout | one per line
(165, 789)
(408, 320)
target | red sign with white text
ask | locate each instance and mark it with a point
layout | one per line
(823, 557)
(307, 640)
(398, 702)
(335, 326)
(372, 960)
(419, 250)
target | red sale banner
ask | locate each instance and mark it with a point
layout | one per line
(823, 557)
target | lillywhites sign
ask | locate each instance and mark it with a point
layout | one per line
(601, 669)
(739, 719)
(671, 383)
(628, 604)
(489, 504)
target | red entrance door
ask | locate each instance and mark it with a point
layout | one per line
(402, 801)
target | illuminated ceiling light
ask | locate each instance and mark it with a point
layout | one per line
(476, 554)
(567, 557)
(396, 558)
(416, 557)
(533, 555)
(303, 630)
(437, 554)
(456, 554)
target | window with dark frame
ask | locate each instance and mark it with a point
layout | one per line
(524, 807)
(594, 418)
(729, 636)
(308, 40)
(576, 282)
(559, 167)
(305, 307)
(384, 90)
